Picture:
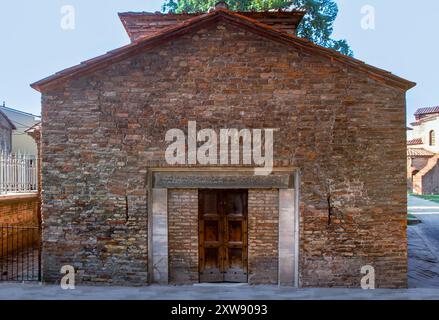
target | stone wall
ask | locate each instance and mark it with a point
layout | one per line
(342, 128)
(183, 236)
(263, 236)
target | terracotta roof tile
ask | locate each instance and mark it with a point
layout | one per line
(415, 142)
(428, 110)
(419, 152)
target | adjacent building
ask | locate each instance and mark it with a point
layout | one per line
(423, 152)
(6, 129)
(118, 211)
(21, 142)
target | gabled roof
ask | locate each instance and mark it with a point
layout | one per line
(429, 110)
(198, 22)
(24, 113)
(140, 24)
(13, 127)
(414, 142)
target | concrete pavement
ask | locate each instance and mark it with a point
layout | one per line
(423, 244)
(207, 292)
(421, 206)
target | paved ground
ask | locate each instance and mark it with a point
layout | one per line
(423, 244)
(208, 292)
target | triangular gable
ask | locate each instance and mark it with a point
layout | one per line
(141, 24)
(11, 124)
(201, 21)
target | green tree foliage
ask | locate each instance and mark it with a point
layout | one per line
(317, 25)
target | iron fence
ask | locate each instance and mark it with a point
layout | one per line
(20, 255)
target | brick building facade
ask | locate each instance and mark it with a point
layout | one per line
(336, 200)
(423, 152)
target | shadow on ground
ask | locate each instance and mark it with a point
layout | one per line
(423, 244)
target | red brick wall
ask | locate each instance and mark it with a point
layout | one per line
(263, 236)
(343, 129)
(335, 253)
(19, 210)
(183, 236)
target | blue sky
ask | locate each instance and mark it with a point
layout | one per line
(33, 44)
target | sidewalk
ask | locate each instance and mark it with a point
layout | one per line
(421, 206)
(423, 244)
(206, 292)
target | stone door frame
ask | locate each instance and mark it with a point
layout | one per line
(285, 179)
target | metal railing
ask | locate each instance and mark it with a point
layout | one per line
(20, 253)
(18, 173)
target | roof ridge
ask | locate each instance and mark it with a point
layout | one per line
(19, 111)
(255, 26)
(159, 13)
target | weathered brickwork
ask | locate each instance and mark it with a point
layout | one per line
(183, 236)
(344, 130)
(19, 210)
(263, 236)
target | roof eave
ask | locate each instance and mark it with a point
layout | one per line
(298, 13)
(119, 53)
(201, 20)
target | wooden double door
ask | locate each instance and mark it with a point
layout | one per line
(223, 235)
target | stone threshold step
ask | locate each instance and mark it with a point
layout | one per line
(221, 284)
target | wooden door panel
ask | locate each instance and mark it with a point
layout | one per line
(211, 230)
(234, 258)
(235, 230)
(209, 202)
(235, 271)
(210, 238)
(212, 266)
(223, 235)
(236, 235)
(234, 203)
(211, 258)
